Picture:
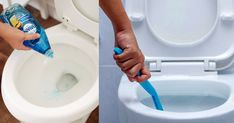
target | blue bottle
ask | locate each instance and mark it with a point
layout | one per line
(18, 17)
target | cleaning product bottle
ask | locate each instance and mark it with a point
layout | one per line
(18, 17)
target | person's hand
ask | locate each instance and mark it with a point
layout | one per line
(16, 37)
(131, 61)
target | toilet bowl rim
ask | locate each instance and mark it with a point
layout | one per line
(148, 112)
(136, 106)
(60, 32)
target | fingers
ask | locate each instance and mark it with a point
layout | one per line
(131, 60)
(129, 57)
(126, 55)
(127, 64)
(145, 74)
(27, 37)
(19, 46)
(23, 48)
(134, 70)
(31, 36)
(131, 79)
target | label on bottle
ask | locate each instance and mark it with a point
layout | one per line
(19, 23)
(30, 28)
(15, 22)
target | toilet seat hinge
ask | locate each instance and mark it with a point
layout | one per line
(66, 21)
(154, 65)
(182, 67)
(209, 65)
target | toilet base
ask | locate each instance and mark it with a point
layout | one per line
(82, 120)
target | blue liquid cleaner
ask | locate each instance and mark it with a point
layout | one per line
(66, 82)
(18, 17)
(146, 85)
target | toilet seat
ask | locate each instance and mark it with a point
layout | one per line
(163, 33)
(78, 15)
(160, 26)
(28, 111)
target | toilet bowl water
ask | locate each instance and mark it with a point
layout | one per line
(187, 103)
(187, 96)
(58, 81)
(66, 82)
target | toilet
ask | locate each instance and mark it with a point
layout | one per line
(64, 89)
(187, 44)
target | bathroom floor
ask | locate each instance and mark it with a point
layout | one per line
(5, 51)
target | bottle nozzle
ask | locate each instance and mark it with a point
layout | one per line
(49, 53)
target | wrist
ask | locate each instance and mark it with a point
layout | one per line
(126, 27)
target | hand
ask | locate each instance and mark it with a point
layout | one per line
(131, 61)
(15, 37)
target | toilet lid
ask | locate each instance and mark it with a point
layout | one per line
(174, 30)
(79, 14)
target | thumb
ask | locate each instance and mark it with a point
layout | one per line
(32, 36)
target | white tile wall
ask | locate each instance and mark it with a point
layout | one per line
(109, 74)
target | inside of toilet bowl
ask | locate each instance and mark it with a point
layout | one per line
(187, 96)
(59, 81)
(66, 82)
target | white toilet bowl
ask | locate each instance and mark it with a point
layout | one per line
(185, 100)
(186, 44)
(64, 89)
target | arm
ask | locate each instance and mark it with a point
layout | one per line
(15, 37)
(116, 13)
(132, 59)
